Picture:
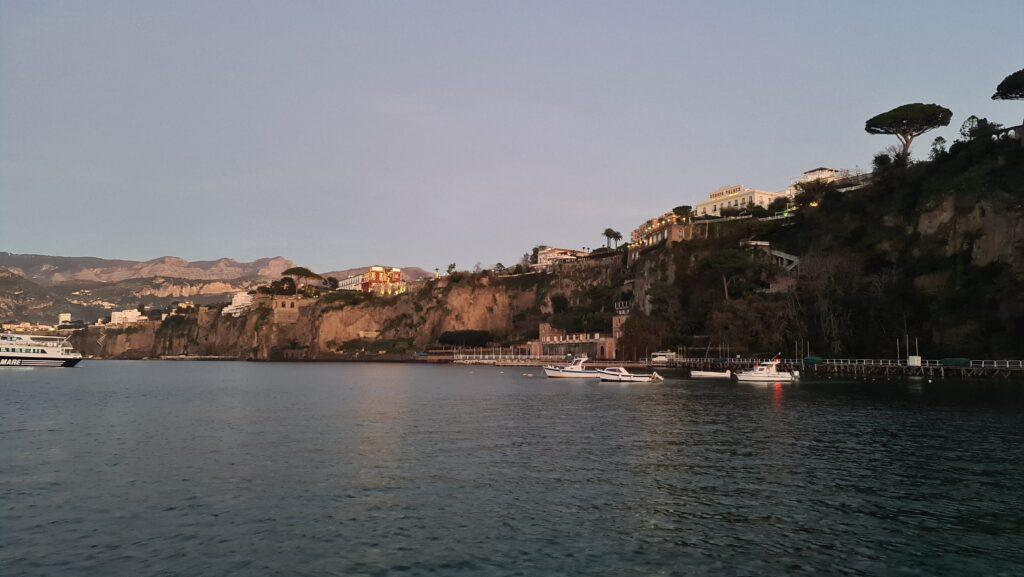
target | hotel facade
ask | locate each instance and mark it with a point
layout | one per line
(377, 279)
(735, 196)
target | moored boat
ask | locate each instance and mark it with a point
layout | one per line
(710, 374)
(36, 351)
(767, 372)
(621, 375)
(575, 370)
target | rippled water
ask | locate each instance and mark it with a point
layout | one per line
(161, 468)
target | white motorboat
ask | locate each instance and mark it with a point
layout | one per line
(18, 350)
(621, 375)
(767, 372)
(663, 357)
(710, 374)
(575, 370)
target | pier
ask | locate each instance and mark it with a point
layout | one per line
(808, 367)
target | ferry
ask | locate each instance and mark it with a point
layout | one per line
(37, 351)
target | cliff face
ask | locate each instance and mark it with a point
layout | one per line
(321, 328)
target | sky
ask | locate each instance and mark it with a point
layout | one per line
(343, 134)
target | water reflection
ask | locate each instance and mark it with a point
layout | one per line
(376, 469)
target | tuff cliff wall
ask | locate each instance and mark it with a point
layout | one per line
(317, 329)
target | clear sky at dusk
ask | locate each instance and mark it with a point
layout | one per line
(421, 133)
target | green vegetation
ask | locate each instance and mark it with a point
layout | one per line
(466, 338)
(909, 121)
(337, 300)
(302, 273)
(925, 251)
(611, 235)
(1011, 88)
(374, 346)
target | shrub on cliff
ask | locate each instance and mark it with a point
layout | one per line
(466, 338)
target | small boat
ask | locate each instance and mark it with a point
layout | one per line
(575, 370)
(663, 357)
(710, 374)
(621, 375)
(767, 372)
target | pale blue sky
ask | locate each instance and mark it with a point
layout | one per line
(420, 133)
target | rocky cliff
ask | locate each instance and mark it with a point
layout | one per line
(505, 307)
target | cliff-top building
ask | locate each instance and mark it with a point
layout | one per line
(734, 196)
(822, 173)
(550, 256)
(377, 279)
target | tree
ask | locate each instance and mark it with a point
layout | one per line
(301, 273)
(642, 335)
(727, 263)
(332, 282)
(451, 268)
(683, 211)
(909, 121)
(466, 338)
(978, 128)
(778, 205)
(1011, 88)
(610, 235)
(938, 147)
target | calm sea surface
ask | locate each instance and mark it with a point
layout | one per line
(189, 468)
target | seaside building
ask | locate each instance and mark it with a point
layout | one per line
(377, 279)
(285, 308)
(63, 319)
(822, 173)
(598, 346)
(549, 256)
(660, 228)
(734, 196)
(25, 327)
(126, 317)
(241, 303)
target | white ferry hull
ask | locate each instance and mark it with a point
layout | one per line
(36, 362)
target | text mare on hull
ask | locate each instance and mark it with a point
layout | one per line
(36, 351)
(575, 370)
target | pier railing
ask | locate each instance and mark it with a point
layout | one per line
(1006, 364)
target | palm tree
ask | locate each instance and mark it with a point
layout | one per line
(608, 234)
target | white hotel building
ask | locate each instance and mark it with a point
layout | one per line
(735, 196)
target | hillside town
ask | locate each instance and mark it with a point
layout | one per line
(299, 288)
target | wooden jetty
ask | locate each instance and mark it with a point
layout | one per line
(809, 367)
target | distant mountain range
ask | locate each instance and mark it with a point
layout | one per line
(36, 287)
(50, 270)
